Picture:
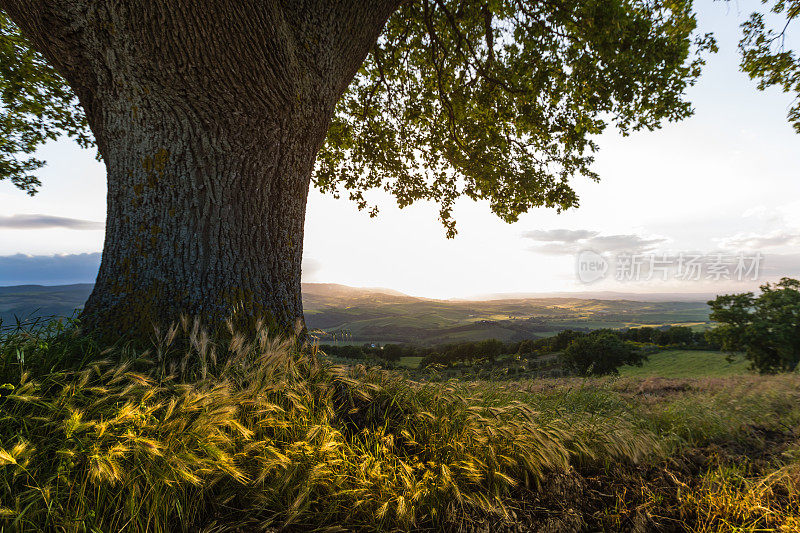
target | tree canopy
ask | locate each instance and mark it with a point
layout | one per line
(765, 327)
(765, 56)
(36, 105)
(498, 100)
(601, 353)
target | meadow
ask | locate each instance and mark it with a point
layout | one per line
(689, 364)
(236, 435)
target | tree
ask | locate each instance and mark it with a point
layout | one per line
(214, 120)
(764, 55)
(490, 349)
(392, 352)
(766, 328)
(600, 354)
(563, 339)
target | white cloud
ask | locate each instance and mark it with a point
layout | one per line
(559, 235)
(563, 241)
(755, 241)
(47, 222)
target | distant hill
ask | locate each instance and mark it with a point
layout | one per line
(602, 295)
(29, 301)
(339, 313)
(354, 315)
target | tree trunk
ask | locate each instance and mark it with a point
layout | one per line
(203, 224)
(208, 117)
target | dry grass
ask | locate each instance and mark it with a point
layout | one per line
(728, 499)
(256, 434)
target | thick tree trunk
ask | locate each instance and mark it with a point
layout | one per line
(202, 223)
(209, 117)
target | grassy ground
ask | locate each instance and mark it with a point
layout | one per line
(410, 362)
(238, 436)
(688, 364)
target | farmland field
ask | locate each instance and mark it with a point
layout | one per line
(688, 364)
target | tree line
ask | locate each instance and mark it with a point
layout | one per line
(493, 349)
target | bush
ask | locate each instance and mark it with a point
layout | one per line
(600, 354)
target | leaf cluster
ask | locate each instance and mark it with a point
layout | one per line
(36, 106)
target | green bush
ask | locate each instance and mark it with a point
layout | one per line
(599, 354)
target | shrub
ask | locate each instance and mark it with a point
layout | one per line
(600, 354)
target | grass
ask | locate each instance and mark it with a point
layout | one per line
(410, 361)
(688, 364)
(256, 434)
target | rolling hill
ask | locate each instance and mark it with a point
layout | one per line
(343, 314)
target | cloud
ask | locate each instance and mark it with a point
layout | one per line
(559, 235)
(47, 222)
(754, 241)
(780, 265)
(570, 242)
(624, 243)
(21, 269)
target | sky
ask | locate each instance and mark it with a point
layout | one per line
(707, 205)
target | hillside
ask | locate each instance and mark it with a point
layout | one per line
(348, 314)
(25, 302)
(374, 315)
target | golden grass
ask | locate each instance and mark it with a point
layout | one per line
(257, 433)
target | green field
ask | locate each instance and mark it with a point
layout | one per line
(688, 364)
(411, 361)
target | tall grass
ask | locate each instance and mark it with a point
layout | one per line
(259, 433)
(256, 433)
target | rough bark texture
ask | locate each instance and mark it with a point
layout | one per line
(209, 116)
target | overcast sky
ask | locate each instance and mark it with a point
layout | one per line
(722, 182)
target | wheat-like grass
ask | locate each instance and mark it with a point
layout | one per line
(257, 432)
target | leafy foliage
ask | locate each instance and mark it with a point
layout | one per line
(600, 354)
(502, 100)
(497, 100)
(767, 327)
(36, 105)
(764, 54)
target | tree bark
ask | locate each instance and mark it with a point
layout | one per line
(208, 117)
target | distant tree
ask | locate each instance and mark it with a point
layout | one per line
(643, 334)
(681, 335)
(601, 354)
(766, 328)
(527, 346)
(563, 339)
(490, 349)
(392, 352)
(765, 56)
